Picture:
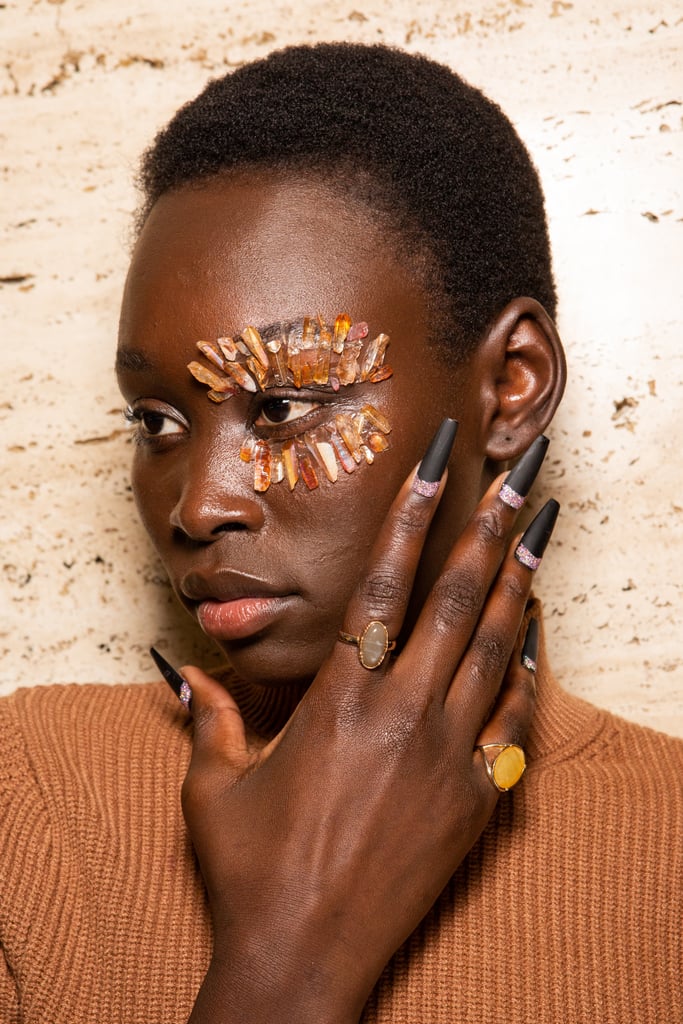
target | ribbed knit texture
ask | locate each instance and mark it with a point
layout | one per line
(568, 910)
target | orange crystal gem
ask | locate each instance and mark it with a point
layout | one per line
(341, 328)
(206, 376)
(252, 340)
(306, 467)
(244, 379)
(261, 466)
(290, 462)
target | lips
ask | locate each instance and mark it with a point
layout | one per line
(235, 606)
(242, 618)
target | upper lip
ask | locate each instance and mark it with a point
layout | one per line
(227, 585)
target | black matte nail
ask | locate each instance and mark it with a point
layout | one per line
(178, 684)
(435, 460)
(536, 536)
(530, 650)
(517, 483)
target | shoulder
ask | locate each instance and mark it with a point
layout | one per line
(53, 737)
(635, 755)
(612, 806)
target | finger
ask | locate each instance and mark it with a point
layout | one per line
(512, 714)
(385, 587)
(452, 610)
(473, 578)
(476, 683)
(219, 733)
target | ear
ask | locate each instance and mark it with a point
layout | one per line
(523, 374)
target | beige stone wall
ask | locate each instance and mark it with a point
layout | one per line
(594, 90)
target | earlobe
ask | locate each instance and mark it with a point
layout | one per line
(525, 369)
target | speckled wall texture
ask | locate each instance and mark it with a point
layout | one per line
(594, 90)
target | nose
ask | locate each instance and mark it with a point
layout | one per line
(216, 499)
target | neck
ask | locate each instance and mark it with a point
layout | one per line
(265, 709)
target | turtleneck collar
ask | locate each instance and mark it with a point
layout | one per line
(562, 723)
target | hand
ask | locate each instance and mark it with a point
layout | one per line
(323, 851)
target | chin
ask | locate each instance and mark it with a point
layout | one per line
(274, 665)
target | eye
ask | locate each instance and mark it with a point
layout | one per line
(150, 423)
(283, 410)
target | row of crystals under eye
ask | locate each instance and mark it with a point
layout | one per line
(347, 441)
(299, 354)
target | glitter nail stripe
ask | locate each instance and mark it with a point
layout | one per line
(529, 663)
(526, 557)
(510, 497)
(428, 488)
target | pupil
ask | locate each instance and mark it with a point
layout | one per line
(152, 422)
(277, 409)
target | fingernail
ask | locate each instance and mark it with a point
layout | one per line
(517, 483)
(530, 649)
(435, 460)
(180, 686)
(536, 536)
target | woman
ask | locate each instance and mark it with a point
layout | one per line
(341, 251)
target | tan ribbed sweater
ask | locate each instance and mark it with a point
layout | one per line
(568, 910)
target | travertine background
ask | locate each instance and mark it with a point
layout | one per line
(596, 92)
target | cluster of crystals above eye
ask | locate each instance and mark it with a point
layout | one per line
(302, 354)
(297, 354)
(348, 441)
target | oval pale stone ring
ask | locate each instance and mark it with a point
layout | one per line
(505, 764)
(373, 643)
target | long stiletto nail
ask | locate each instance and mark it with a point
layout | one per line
(180, 686)
(530, 649)
(536, 536)
(517, 483)
(435, 460)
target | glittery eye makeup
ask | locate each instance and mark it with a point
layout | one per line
(301, 354)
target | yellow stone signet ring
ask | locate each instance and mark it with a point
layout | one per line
(505, 764)
(373, 644)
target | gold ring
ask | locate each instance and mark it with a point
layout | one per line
(504, 768)
(373, 643)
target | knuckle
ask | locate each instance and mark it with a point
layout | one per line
(410, 519)
(457, 596)
(489, 526)
(491, 652)
(384, 590)
(514, 587)
(515, 717)
(513, 727)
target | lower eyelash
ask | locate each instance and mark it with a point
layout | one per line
(345, 442)
(132, 418)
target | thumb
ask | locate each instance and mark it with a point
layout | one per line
(219, 733)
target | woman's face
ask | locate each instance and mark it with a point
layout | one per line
(268, 575)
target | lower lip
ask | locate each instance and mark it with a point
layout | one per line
(236, 620)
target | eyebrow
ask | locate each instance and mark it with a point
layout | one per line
(136, 361)
(132, 359)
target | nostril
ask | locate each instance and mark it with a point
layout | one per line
(203, 518)
(229, 528)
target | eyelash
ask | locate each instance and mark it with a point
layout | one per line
(289, 427)
(141, 433)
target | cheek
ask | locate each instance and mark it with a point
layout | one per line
(154, 492)
(332, 530)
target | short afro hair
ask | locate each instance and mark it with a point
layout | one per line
(446, 168)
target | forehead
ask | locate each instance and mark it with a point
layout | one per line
(260, 248)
